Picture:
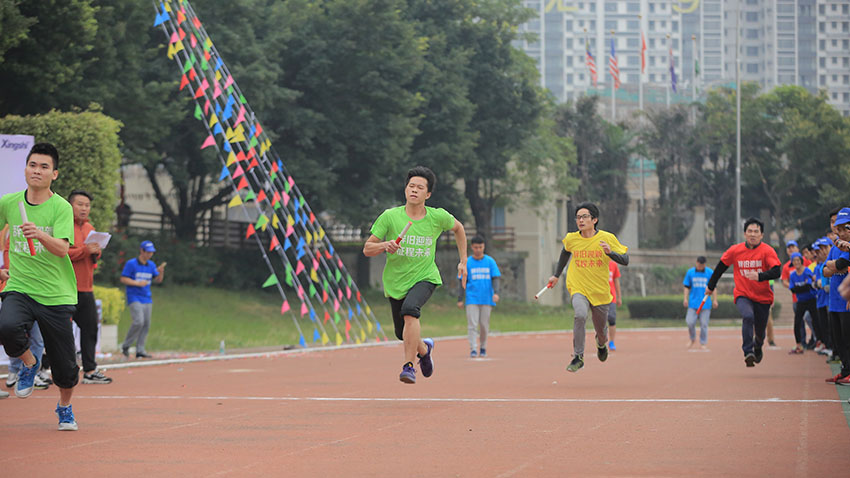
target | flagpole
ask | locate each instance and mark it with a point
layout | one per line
(613, 91)
(738, 124)
(667, 89)
(693, 78)
(642, 60)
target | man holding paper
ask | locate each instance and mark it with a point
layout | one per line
(84, 255)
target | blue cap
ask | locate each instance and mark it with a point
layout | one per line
(147, 246)
(843, 216)
(796, 254)
(792, 242)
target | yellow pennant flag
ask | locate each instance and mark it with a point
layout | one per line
(362, 334)
(313, 276)
(275, 221)
(369, 311)
(263, 148)
(231, 158)
(290, 221)
(168, 7)
(213, 119)
(325, 338)
(237, 200)
(338, 339)
(218, 75)
(321, 233)
(237, 134)
(369, 325)
(309, 237)
(171, 51)
(208, 43)
(357, 340)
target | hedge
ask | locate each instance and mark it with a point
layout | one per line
(670, 307)
(112, 302)
(89, 157)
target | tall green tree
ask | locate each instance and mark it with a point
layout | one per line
(13, 25)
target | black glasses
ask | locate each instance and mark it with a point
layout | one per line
(583, 216)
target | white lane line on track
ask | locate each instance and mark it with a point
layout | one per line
(456, 399)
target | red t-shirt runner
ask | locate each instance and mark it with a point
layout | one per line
(759, 259)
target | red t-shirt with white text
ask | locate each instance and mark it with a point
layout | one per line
(759, 259)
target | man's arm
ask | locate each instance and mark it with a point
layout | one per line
(375, 246)
(687, 291)
(460, 239)
(562, 262)
(160, 273)
(719, 269)
(622, 259)
(771, 274)
(57, 247)
(496, 288)
(619, 293)
(132, 282)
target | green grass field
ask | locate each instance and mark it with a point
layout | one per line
(196, 319)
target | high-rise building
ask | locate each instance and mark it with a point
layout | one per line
(799, 42)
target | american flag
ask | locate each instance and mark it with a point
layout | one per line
(672, 70)
(590, 62)
(613, 68)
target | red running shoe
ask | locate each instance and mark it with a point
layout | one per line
(834, 379)
(843, 380)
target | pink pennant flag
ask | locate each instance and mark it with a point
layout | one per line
(347, 292)
(291, 182)
(208, 142)
(315, 265)
(301, 292)
(216, 91)
(241, 117)
(339, 294)
(285, 199)
(289, 230)
(336, 305)
(193, 41)
(339, 262)
(228, 81)
(299, 268)
(238, 172)
(304, 309)
(206, 105)
(173, 38)
(285, 307)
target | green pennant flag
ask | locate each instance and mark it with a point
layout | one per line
(242, 99)
(273, 176)
(188, 65)
(338, 276)
(288, 275)
(262, 221)
(204, 64)
(325, 285)
(277, 205)
(349, 281)
(336, 317)
(253, 142)
(230, 90)
(250, 196)
(286, 186)
(272, 280)
(312, 290)
(198, 114)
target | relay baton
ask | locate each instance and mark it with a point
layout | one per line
(701, 304)
(24, 219)
(403, 232)
(542, 291)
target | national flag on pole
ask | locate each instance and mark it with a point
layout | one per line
(672, 70)
(613, 68)
(590, 62)
(642, 53)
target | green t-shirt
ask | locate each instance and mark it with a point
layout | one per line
(414, 262)
(47, 279)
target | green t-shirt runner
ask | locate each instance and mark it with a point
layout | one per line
(47, 279)
(414, 261)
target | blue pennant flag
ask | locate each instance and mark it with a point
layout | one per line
(331, 248)
(304, 218)
(228, 108)
(316, 335)
(303, 342)
(297, 217)
(217, 129)
(378, 324)
(312, 315)
(295, 204)
(280, 164)
(218, 64)
(286, 244)
(224, 173)
(350, 313)
(300, 254)
(301, 244)
(358, 309)
(218, 110)
(227, 146)
(161, 18)
(252, 131)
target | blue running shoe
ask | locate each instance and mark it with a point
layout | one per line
(611, 346)
(26, 379)
(66, 418)
(482, 353)
(473, 354)
(426, 363)
(408, 373)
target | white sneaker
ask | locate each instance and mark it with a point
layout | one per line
(39, 383)
(4, 394)
(11, 379)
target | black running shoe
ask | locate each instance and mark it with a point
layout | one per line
(750, 360)
(758, 354)
(602, 352)
(576, 364)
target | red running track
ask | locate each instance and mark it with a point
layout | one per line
(653, 409)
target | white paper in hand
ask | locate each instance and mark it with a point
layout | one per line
(99, 238)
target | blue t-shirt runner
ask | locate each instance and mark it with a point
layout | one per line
(697, 281)
(137, 271)
(479, 280)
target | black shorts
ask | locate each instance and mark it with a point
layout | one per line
(17, 315)
(411, 305)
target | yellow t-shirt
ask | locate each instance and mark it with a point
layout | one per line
(588, 271)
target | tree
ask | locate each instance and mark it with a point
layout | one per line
(602, 157)
(13, 25)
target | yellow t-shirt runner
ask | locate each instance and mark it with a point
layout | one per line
(588, 271)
